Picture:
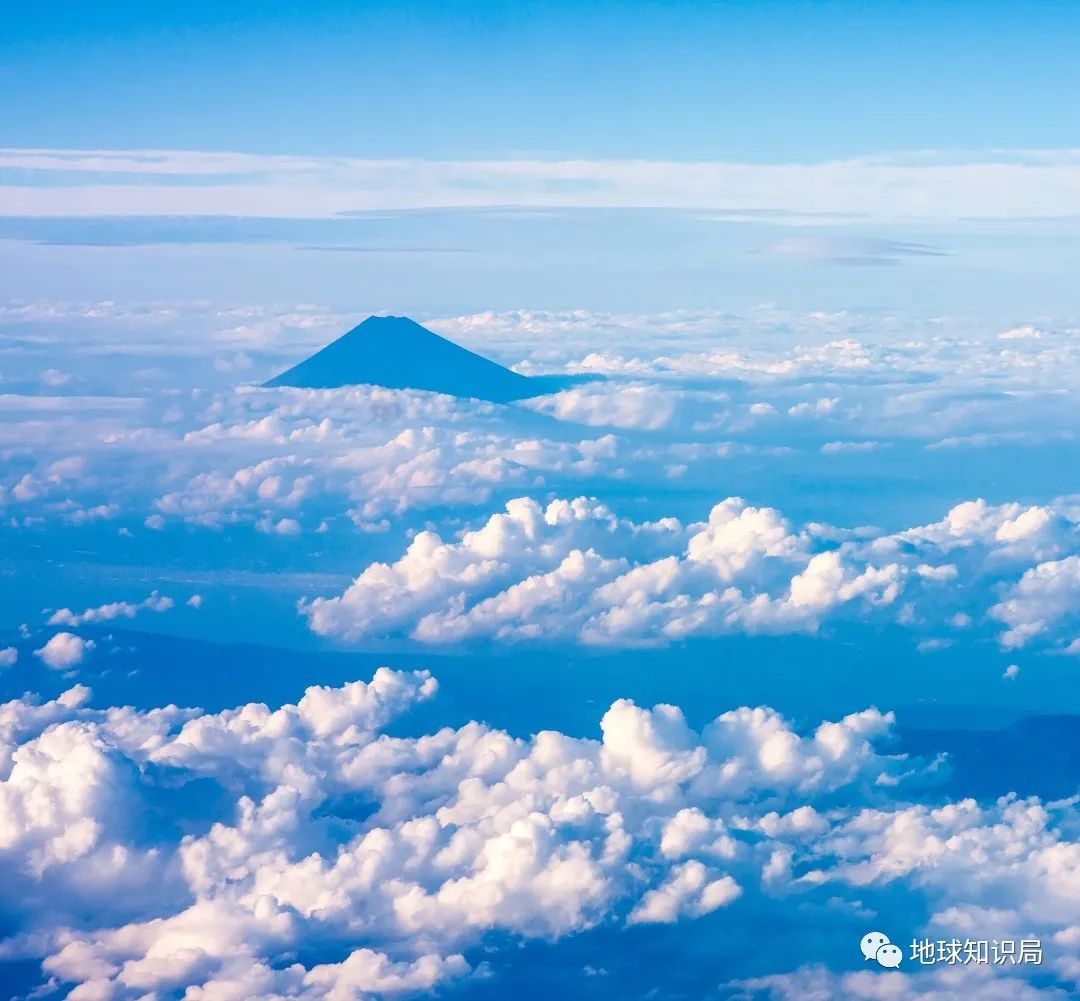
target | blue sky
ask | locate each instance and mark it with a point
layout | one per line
(766, 82)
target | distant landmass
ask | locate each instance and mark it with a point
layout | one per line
(396, 352)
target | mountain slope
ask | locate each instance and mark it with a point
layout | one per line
(395, 352)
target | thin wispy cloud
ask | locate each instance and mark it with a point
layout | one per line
(852, 251)
(42, 182)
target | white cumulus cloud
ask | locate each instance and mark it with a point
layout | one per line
(64, 650)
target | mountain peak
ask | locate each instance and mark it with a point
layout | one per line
(398, 353)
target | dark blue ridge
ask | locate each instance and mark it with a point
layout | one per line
(395, 352)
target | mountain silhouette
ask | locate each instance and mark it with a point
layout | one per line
(395, 352)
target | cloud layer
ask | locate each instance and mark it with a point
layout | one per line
(143, 183)
(309, 825)
(572, 570)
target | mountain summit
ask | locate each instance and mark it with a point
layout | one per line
(395, 352)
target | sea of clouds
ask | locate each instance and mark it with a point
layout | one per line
(766, 474)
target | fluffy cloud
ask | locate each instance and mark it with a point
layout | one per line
(214, 498)
(574, 570)
(690, 890)
(458, 833)
(270, 454)
(1008, 869)
(554, 541)
(253, 456)
(64, 650)
(631, 406)
(635, 405)
(153, 602)
(1009, 530)
(27, 489)
(1045, 597)
(471, 829)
